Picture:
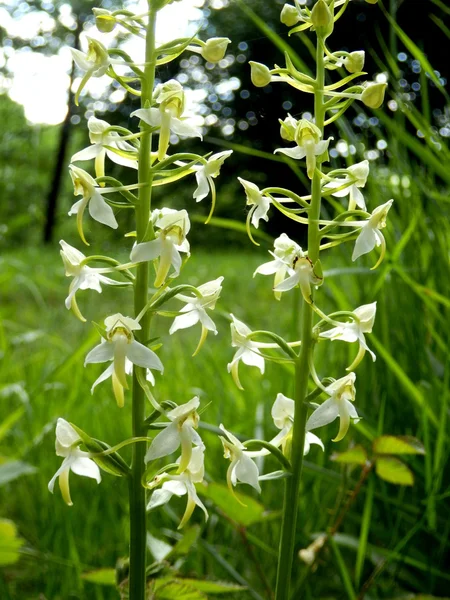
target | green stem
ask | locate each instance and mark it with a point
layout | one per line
(138, 516)
(292, 484)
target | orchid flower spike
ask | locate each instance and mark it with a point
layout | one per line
(342, 394)
(195, 310)
(95, 62)
(301, 272)
(247, 350)
(181, 431)
(86, 186)
(357, 177)
(67, 442)
(170, 240)
(168, 117)
(117, 347)
(100, 138)
(285, 250)
(308, 139)
(84, 277)
(206, 173)
(180, 485)
(283, 411)
(354, 331)
(370, 235)
(259, 204)
(242, 467)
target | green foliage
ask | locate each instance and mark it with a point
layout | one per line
(10, 543)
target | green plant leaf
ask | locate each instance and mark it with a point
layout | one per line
(100, 576)
(184, 545)
(9, 422)
(353, 456)
(10, 543)
(398, 444)
(247, 513)
(394, 471)
(13, 470)
(168, 590)
(199, 585)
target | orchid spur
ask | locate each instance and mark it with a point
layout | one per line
(67, 442)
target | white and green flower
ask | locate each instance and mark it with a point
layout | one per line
(356, 178)
(67, 442)
(173, 227)
(247, 350)
(259, 204)
(181, 431)
(242, 467)
(94, 62)
(370, 234)
(301, 272)
(339, 405)
(284, 252)
(205, 174)
(118, 346)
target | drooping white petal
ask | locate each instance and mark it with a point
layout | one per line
(165, 443)
(101, 353)
(184, 321)
(151, 116)
(185, 128)
(253, 359)
(101, 211)
(87, 468)
(326, 413)
(146, 251)
(159, 497)
(365, 242)
(87, 153)
(142, 356)
(202, 185)
(246, 471)
(103, 377)
(296, 152)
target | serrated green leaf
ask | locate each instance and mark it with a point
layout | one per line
(251, 512)
(398, 444)
(101, 576)
(394, 471)
(10, 543)
(13, 469)
(353, 456)
(214, 587)
(169, 590)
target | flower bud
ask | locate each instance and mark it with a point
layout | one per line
(104, 20)
(373, 95)
(289, 15)
(214, 49)
(355, 61)
(170, 96)
(322, 19)
(260, 74)
(288, 128)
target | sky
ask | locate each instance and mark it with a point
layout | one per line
(40, 82)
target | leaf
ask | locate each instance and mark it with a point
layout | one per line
(394, 471)
(13, 470)
(10, 421)
(184, 545)
(353, 456)
(252, 512)
(10, 543)
(398, 444)
(169, 590)
(100, 576)
(214, 587)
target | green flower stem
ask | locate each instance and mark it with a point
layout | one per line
(302, 372)
(138, 516)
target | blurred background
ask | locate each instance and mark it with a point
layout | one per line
(393, 541)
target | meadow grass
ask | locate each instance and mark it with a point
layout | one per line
(42, 378)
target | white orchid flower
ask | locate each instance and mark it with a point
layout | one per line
(84, 277)
(307, 137)
(342, 394)
(247, 350)
(354, 331)
(205, 174)
(67, 442)
(283, 411)
(301, 272)
(95, 62)
(181, 431)
(259, 204)
(86, 186)
(117, 347)
(173, 225)
(370, 235)
(180, 485)
(170, 97)
(195, 310)
(242, 467)
(100, 137)
(284, 252)
(357, 178)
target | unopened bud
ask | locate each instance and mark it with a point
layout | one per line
(288, 128)
(354, 63)
(322, 19)
(289, 15)
(373, 95)
(260, 74)
(214, 49)
(104, 20)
